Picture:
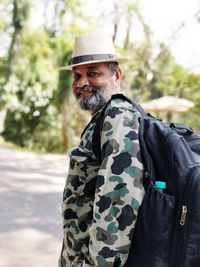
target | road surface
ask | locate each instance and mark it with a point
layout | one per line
(31, 188)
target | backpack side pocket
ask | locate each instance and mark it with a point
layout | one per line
(152, 237)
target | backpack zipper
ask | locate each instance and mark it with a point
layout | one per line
(186, 195)
(183, 215)
(191, 172)
(185, 208)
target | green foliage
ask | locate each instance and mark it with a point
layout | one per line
(136, 74)
(27, 105)
(41, 111)
(29, 92)
(40, 133)
(47, 134)
(64, 81)
(21, 10)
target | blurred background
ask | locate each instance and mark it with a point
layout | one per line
(37, 109)
(39, 119)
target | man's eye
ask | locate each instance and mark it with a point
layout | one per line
(92, 74)
(76, 77)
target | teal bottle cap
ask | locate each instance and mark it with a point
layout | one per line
(160, 184)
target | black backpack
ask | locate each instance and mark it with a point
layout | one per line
(167, 232)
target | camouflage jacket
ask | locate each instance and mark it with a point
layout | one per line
(101, 199)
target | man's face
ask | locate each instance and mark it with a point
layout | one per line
(94, 84)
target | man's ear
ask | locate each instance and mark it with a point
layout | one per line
(118, 75)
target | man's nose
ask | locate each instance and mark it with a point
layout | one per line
(83, 81)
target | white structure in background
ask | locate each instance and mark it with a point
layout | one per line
(168, 104)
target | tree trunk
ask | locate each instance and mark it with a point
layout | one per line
(19, 16)
(67, 133)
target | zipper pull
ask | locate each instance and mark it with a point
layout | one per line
(183, 215)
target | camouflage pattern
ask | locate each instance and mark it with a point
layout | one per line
(101, 200)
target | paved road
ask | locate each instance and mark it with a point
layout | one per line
(30, 215)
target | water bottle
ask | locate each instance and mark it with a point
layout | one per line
(161, 186)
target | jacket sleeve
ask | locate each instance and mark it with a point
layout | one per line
(119, 190)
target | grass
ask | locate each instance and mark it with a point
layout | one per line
(6, 144)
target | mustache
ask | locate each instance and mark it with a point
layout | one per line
(84, 89)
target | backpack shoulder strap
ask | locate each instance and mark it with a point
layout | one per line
(135, 105)
(96, 140)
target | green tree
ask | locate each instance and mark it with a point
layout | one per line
(42, 112)
(29, 91)
(37, 93)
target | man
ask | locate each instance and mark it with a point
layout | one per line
(101, 197)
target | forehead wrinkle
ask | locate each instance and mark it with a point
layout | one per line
(77, 70)
(92, 66)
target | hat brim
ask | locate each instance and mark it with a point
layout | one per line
(118, 60)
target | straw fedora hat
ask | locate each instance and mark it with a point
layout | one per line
(94, 47)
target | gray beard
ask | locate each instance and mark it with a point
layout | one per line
(93, 102)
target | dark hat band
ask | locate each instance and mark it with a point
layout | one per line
(81, 59)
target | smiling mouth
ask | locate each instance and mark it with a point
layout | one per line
(85, 93)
